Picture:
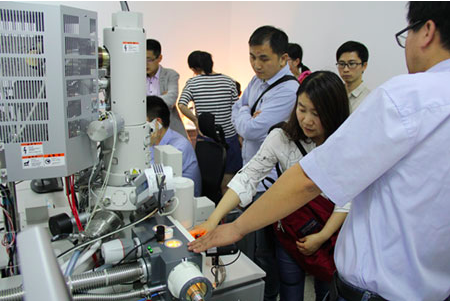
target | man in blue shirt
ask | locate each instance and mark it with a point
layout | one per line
(268, 48)
(392, 160)
(158, 112)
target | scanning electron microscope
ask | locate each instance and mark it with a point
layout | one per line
(123, 233)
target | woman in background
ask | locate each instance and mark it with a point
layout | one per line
(213, 93)
(295, 62)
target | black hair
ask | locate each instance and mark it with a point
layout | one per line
(328, 94)
(295, 52)
(353, 46)
(238, 88)
(278, 40)
(437, 11)
(153, 45)
(201, 60)
(157, 108)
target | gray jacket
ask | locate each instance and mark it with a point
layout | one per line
(169, 83)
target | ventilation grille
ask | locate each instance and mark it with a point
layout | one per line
(24, 114)
(75, 128)
(13, 112)
(22, 89)
(19, 20)
(24, 133)
(22, 67)
(79, 87)
(23, 44)
(77, 67)
(71, 24)
(80, 46)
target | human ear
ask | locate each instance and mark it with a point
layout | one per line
(364, 65)
(283, 59)
(298, 62)
(428, 32)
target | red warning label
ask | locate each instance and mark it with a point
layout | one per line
(48, 160)
(32, 149)
(130, 47)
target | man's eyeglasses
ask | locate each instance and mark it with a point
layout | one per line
(402, 35)
(351, 65)
(150, 60)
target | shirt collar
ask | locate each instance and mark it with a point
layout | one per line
(357, 91)
(157, 75)
(442, 66)
(284, 71)
(167, 137)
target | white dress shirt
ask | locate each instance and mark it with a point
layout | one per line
(392, 159)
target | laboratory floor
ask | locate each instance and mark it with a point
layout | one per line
(309, 291)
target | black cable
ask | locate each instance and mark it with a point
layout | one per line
(132, 250)
(224, 265)
(160, 189)
(217, 266)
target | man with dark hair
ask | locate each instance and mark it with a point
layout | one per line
(268, 48)
(268, 57)
(393, 161)
(163, 82)
(159, 117)
(352, 60)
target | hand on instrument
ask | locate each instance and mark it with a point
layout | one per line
(223, 235)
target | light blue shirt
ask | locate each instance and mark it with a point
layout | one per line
(276, 106)
(391, 158)
(190, 167)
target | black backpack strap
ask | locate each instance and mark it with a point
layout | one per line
(301, 148)
(279, 81)
(270, 180)
(279, 171)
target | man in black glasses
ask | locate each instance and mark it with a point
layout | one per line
(393, 161)
(352, 60)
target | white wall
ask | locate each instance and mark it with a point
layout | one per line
(321, 27)
(223, 29)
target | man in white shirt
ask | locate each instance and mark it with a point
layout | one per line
(392, 159)
(352, 60)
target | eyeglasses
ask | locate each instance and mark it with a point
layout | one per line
(402, 35)
(150, 60)
(351, 65)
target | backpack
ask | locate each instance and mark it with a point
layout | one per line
(307, 220)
